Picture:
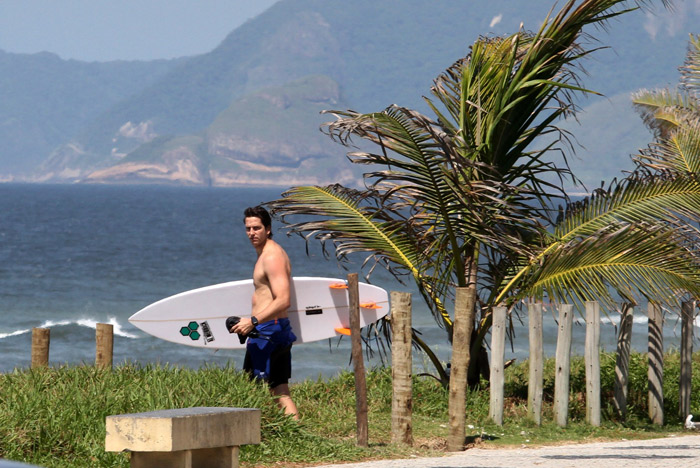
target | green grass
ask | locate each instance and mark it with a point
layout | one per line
(55, 417)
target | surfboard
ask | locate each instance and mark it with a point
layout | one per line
(319, 310)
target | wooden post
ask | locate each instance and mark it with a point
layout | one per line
(535, 384)
(401, 369)
(656, 364)
(41, 339)
(592, 359)
(622, 363)
(461, 341)
(104, 337)
(498, 348)
(358, 363)
(562, 361)
(687, 309)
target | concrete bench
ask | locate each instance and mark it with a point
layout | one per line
(184, 438)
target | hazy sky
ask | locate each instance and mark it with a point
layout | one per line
(105, 30)
(149, 29)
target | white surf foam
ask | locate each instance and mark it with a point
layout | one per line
(86, 322)
(14, 333)
(616, 320)
(118, 329)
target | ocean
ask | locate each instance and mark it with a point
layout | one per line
(72, 256)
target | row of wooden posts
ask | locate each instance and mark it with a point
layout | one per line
(401, 350)
(592, 362)
(401, 363)
(104, 337)
(401, 366)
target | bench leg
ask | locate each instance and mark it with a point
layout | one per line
(179, 459)
(219, 457)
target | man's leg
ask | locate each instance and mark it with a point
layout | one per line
(280, 373)
(284, 400)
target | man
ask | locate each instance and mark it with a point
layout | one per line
(268, 352)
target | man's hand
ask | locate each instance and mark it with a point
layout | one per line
(243, 327)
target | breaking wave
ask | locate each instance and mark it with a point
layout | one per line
(87, 323)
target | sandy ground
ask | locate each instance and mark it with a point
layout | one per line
(670, 452)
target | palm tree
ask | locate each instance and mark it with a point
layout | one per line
(465, 199)
(666, 110)
(649, 214)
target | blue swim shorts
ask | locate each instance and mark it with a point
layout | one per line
(268, 357)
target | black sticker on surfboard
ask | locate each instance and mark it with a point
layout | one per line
(313, 310)
(208, 335)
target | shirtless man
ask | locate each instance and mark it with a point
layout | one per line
(268, 355)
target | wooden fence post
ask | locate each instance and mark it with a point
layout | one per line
(622, 362)
(104, 338)
(41, 339)
(592, 359)
(656, 364)
(358, 363)
(461, 341)
(401, 369)
(535, 383)
(498, 348)
(687, 309)
(562, 362)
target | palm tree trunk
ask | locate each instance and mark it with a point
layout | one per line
(465, 300)
(463, 325)
(479, 366)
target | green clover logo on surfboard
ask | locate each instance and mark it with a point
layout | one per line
(192, 330)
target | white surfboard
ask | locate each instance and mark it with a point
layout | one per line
(319, 309)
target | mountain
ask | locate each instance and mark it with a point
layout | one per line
(248, 111)
(243, 146)
(46, 101)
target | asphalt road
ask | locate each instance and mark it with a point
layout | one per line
(670, 452)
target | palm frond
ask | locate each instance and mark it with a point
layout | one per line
(664, 198)
(677, 153)
(670, 200)
(424, 170)
(417, 156)
(348, 218)
(690, 71)
(498, 101)
(632, 261)
(356, 222)
(664, 110)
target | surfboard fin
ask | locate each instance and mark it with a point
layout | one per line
(370, 305)
(339, 286)
(343, 331)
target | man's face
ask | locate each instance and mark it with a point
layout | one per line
(256, 231)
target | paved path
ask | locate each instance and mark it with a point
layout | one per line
(670, 452)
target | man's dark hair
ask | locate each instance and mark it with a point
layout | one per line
(259, 212)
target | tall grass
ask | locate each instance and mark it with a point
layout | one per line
(55, 417)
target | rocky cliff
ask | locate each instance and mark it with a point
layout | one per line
(260, 139)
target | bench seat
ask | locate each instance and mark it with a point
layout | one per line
(184, 438)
